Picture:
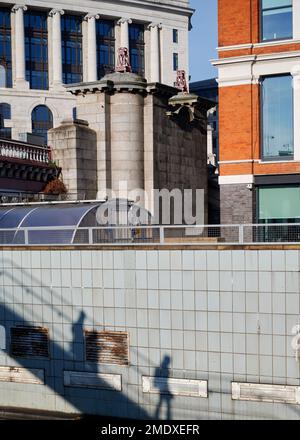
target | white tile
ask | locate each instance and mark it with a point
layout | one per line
(107, 259)
(152, 280)
(200, 260)
(153, 301)
(141, 260)
(213, 282)
(278, 260)
(212, 260)
(108, 278)
(265, 260)
(278, 282)
(176, 279)
(213, 301)
(97, 259)
(152, 260)
(265, 302)
(188, 260)
(164, 260)
(176, 260)
(188, 282)
(164, 279)
(292, 260)
(86, 259)
(238, 260)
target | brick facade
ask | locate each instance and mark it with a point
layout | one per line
(244, 59)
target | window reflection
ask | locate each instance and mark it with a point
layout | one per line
(42, 121)
(105, 34)
(5, 48)
(137, 48)
(277, 19)
(36, 49)
(277, 117)
(71, 48)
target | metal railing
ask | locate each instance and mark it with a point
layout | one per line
(19, 150)
(148, 235)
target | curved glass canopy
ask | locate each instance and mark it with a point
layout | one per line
(54, 224)
(68, 223)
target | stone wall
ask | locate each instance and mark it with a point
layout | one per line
(75, 152)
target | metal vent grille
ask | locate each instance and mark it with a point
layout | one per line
(107, 347)
(29, 342)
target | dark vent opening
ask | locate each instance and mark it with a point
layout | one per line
(107, 347)
(29, 342)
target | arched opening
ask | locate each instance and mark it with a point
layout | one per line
(42, 121)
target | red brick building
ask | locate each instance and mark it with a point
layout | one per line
(259, 108)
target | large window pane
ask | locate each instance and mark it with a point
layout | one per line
(105, 34)
(277, 19)
(277, 118)
(71, 48)
(42, 121)
(279, 203)
(36, 49)
(5, 48)
(137, 48)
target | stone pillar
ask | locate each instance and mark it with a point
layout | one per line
(20, 46)
(92, 47)
(56, 46)
(155, 52)
(124, 24)
(74, 148)
(127, 142)
(296, 75)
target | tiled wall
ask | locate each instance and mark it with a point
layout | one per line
(220, 316)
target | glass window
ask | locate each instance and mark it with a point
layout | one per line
(71, 34)
(5, 113)
(277, 19)
(5, 48)
(137, 48)
(42, 121)
(175, 61)
(36, 49)
(277, 205)
(277, 117)
(105, 34)
(175, 36)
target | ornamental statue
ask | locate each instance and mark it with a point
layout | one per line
(123, 60)
(181, 83)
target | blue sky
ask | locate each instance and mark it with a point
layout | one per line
(203, 39)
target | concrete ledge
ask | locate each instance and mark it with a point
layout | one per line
(175, 246)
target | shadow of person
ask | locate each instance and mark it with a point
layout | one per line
(161, 382)
(78, 337)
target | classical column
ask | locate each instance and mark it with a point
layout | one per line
(20, 45)
(56, 46)
(155, 51)
(296, 84)
(124, 24)
(92, 46)
(296, 19)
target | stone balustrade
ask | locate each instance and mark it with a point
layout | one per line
(9, 149)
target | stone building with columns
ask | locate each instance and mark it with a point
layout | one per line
(46, 45)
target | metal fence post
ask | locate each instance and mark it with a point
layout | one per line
(161, 235)
(90, 235)
(26, 236)
(241, 233)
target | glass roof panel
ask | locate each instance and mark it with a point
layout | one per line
(13, 217)
(57, 215)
